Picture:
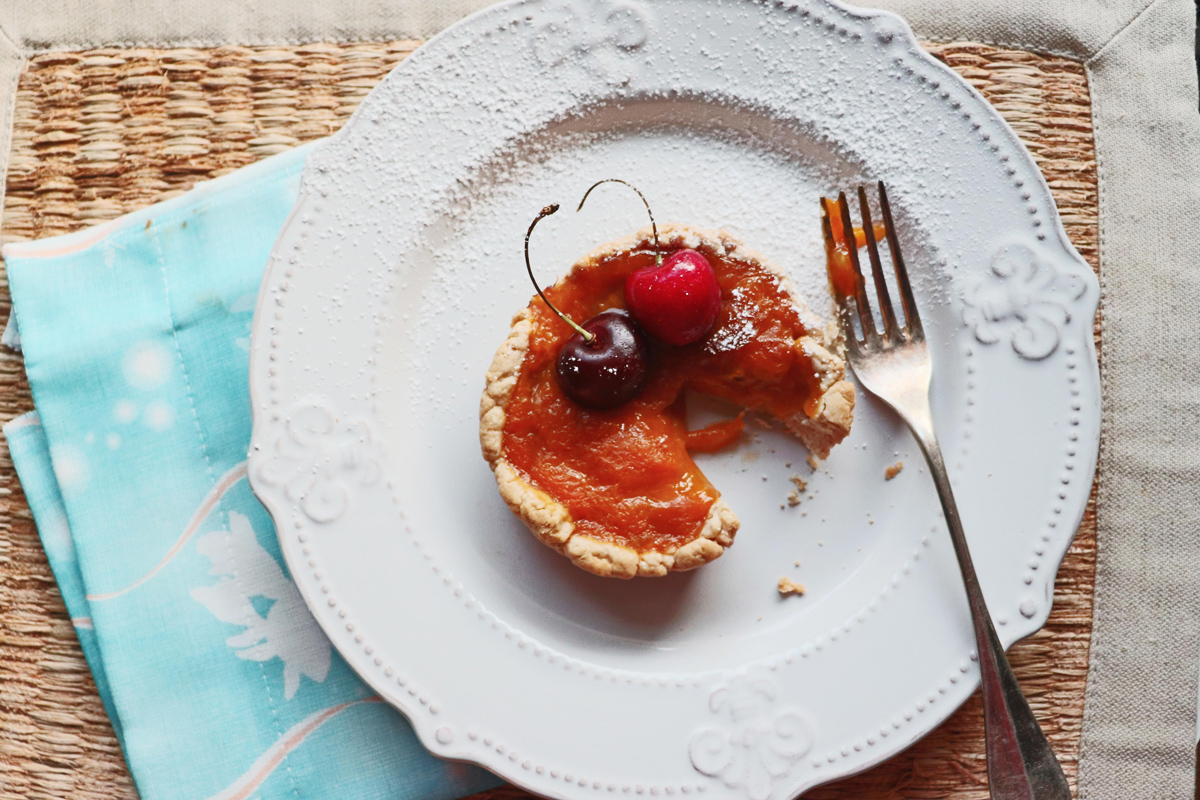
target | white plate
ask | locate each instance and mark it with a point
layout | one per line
(394, 281)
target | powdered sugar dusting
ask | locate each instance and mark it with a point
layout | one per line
(730, 115)
(396, 277)
(741, 129)
(738, 331)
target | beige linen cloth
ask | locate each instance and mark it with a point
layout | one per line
(1140, 714)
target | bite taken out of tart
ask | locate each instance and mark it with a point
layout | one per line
(584, 426)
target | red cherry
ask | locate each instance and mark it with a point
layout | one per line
(608, 370)
(676, 301)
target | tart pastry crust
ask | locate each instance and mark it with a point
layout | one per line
(550, 520)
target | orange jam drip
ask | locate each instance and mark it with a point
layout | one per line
(717, 436)
(625, 474)
(841, 269)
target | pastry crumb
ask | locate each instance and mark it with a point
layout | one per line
(797, 563)
(893, 470)
(793, 499)
(788, 586)
(812, 461)
(800, 483)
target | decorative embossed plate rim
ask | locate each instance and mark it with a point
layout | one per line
(876, 663)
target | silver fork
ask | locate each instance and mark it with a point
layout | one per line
(895, 366)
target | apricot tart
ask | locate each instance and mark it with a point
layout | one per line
(616, 490)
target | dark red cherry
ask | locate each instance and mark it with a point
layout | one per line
(611, 368)
(676, 301)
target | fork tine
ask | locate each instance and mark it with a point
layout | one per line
(890, 328)
(912, 319)
(870, 332)
(845, 314)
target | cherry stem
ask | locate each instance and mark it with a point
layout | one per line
(545, 212)
(658, 259)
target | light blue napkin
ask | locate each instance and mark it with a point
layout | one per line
(218, 681)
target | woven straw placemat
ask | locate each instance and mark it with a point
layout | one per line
(103, 132)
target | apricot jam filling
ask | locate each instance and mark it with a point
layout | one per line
(625, 474)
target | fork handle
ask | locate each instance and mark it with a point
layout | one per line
(1021, 764)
